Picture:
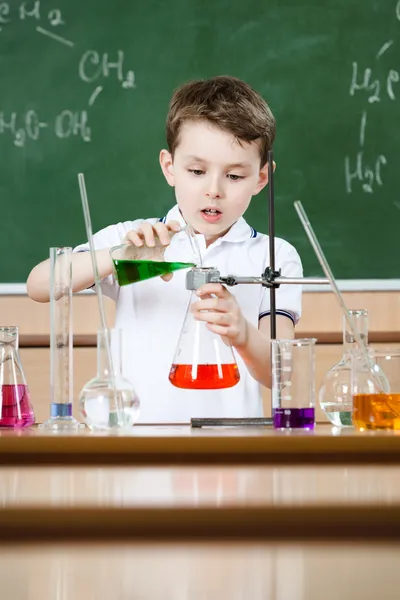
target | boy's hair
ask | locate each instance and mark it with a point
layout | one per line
(227, 102)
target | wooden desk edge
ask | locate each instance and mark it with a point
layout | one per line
(203, 449)
(173, 524)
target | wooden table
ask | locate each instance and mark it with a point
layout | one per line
(171, 482)
(180, 445)
(179, 514)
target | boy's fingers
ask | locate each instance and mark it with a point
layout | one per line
(214, 304)
(132, 237)
(163, 233)
(148, 233)
(213, 288)
(173, 226)
(167, 276)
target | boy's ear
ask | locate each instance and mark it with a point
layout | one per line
(263, 177)
(167, 167)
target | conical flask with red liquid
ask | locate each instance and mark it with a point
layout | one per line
(15, 404)
(203, 360)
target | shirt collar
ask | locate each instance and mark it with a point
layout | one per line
(239, 232)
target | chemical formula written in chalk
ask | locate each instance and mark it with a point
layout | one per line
(364, 171)
(94, 69)
(29, 127)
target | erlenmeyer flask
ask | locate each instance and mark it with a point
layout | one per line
(15, 403)
(99, 398)
(137, 263)
(202, 361)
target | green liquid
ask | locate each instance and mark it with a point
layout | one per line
(131, 271)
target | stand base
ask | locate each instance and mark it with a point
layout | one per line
(61, 424)
(231, 422)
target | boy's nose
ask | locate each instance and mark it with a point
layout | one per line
(213, 195)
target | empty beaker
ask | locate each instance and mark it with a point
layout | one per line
(375, 383)
(335, 395)
(137, 263)
(104, 398)
(15, 404)
(202, 361)
(293, 383)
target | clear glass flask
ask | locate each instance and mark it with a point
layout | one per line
(202, 361)
(137, 263)
(15, 404)
(98, 400)
(293, 383)
(335, 396)
(61, 342)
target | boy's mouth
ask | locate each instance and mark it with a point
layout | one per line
(211, 215)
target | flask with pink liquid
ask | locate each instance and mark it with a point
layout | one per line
(15, 404)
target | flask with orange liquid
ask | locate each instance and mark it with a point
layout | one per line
(202, 361)
(376, 389)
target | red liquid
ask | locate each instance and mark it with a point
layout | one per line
(15, 406)
(209, 377)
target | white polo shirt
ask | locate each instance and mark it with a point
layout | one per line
(151, 314)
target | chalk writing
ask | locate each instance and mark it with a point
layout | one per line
(29, 11)
(29, 126)
(93, 66)
(368, 176)
(373, 85)
(368, 173)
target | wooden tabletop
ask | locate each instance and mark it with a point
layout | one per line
(180, 444)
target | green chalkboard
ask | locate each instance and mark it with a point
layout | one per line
(85, 85)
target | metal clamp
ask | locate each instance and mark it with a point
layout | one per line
(197, 277)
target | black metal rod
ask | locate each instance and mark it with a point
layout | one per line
(271, 233)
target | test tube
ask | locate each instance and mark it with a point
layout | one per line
(61, 341)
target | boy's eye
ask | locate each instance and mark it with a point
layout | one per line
(233, 177)
(196, 171)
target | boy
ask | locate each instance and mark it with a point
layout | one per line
(219, 132)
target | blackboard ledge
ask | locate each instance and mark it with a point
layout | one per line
(345, 285)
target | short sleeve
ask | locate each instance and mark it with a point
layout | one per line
(110, 236)
(288, 297)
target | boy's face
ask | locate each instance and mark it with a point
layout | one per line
(214, 177)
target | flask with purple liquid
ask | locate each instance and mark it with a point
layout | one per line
(293, 383)
(15, 403)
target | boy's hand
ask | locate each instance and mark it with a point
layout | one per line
(148, 235)
(221, 312)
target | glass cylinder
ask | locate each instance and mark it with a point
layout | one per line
(293, 383)
(375, 387)
(335, 395)
(202, 361)
(61, 341)
(15, 404)
(102, 398)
